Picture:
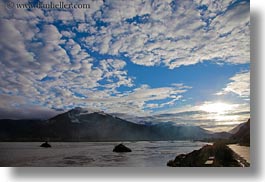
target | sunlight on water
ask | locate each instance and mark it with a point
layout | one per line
(242, 151)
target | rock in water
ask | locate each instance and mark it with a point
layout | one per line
(121, 148)
(45, 145)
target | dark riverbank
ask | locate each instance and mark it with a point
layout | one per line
(216, 155)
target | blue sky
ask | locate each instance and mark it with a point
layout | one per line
(136, 59)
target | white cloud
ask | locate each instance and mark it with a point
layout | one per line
(136, 102)
(240, 85)
(47, 67)
(174, 37)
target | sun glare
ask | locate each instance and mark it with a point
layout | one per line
(218, 107)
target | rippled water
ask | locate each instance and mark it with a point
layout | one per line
(94, 154)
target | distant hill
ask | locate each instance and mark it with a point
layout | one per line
(22, 130)
(242, 136)
(89, 125)
(236, 129)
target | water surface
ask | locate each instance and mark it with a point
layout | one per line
(242, 151)
(94, 154)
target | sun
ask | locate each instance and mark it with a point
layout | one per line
(217, 107)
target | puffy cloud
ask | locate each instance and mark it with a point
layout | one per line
(174, 33)
(48, 67)
(240, 85)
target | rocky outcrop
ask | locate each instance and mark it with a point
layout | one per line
(217, 155)
(196, 158)
(121, 148)
(45, 145)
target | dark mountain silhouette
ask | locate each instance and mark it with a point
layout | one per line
(236, 129)
(242, 136)
(88, 125)
(21, 130)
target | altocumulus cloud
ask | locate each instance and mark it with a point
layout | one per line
(173, 33)
(54, 58)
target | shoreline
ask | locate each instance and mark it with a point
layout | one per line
(242, 153)
(216, 155)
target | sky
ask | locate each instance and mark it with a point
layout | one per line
(186, 62)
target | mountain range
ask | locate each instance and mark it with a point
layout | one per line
(90, 125)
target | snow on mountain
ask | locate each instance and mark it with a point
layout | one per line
(75, 113)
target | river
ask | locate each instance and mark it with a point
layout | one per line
(93, 154)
